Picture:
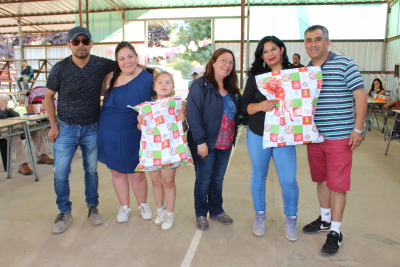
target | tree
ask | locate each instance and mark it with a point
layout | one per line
(193, 30)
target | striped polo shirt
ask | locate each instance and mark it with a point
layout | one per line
(334, 114)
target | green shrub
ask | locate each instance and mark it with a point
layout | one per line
(184, 66)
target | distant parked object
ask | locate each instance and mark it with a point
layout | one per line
(4, 74)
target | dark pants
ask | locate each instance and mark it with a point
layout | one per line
(210, 173)
(396, 128)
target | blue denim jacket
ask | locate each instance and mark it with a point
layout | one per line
(205, 107)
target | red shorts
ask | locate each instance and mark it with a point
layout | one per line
(330, 162)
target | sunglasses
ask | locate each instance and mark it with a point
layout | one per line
(76, 42)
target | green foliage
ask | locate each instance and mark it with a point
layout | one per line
(182, 65)
(193, 30)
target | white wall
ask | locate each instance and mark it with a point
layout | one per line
(31, 54)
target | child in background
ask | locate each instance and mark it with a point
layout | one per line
(164, 180)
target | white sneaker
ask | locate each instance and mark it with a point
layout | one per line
(160, 216)
(123, 214)
(168, 222)
(145, 211)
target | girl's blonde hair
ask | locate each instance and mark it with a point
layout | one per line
(172, 79)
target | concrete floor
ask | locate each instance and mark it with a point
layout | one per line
(370, 227)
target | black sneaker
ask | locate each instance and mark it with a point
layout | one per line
(333, 242)
(317, 226)
(395, 137)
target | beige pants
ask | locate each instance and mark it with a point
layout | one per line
(20, 152)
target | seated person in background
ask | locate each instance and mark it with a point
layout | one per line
(376, 88)
(296, 62)
(26, 75)
(194, 76)
(394, 105)
(18, 146)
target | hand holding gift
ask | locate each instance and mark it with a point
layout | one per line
(296, 93)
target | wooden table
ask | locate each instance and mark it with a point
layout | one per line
(9, 124)
(380, 105)
(396, 118)
(38, 117)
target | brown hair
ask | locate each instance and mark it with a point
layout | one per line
(230, 81)
(117, 71)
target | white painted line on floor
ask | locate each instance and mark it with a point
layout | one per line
(187, 261)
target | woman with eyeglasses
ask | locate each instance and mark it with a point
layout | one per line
(213, 113)
(270, 55)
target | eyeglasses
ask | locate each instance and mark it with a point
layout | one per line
(225, 61)
(76, 42)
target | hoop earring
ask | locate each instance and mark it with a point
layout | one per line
(264, 64)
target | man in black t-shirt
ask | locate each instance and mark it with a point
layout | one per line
(296, 61)
(78, 81)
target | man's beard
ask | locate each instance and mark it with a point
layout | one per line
(82, 56)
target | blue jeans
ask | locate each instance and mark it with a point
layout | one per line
(64, 147)
(286, 167)
(210, 173)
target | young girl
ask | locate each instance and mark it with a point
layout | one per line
(164, 180)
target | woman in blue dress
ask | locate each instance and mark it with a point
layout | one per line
(118, 136)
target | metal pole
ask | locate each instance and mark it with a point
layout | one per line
(123, 26)
(21, 39)
(248, 38)
(212, 35)
(385, 43)
(87, 14)
(146, 41)
(241, 42)
(80, 12)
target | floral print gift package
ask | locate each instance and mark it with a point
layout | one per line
(163, 144)
(292, 120)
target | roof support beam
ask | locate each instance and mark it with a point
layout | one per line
(23, 1)
(169, 7)
(87, 14)
(80, 13)
(25, 32)
(39, 23)
(241, 42)
(17, 17)
(116, 6)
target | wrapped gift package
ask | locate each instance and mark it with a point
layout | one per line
(292, 120)
(163, 144)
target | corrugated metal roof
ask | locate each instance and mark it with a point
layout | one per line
(62, 11)
(45, 7)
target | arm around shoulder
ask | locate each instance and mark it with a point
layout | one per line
(106, 83)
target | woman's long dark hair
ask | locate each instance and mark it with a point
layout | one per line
(117, 70)
(373, 86)
(230, 81)
(258, 66)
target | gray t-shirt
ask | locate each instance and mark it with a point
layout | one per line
(79, 89)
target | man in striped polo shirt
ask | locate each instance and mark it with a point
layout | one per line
(330, 161)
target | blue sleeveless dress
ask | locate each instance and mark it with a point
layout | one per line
(118, 136)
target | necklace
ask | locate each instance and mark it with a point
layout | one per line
(223, 92)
